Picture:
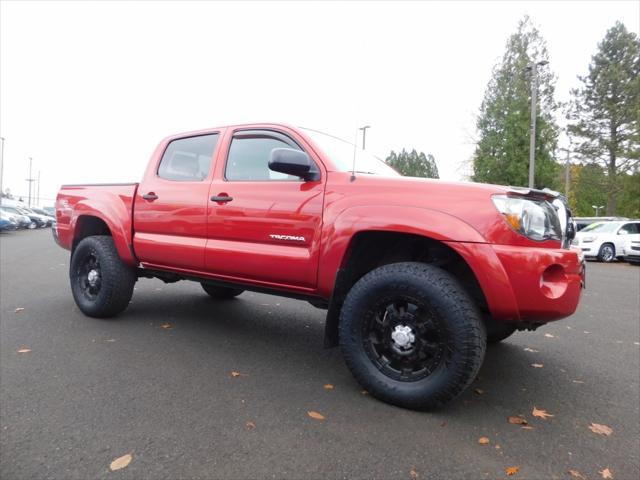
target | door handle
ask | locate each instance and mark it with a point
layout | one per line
(150, 196)
(222, 198)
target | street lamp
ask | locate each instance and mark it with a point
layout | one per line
(597, 208)
(364, 134)
(533, 68)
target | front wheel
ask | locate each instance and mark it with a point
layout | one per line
(101, 284)
(607, 253)
(411, 335)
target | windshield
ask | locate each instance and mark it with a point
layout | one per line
(607, 227)
(341, 154)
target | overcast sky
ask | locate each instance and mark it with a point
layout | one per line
(88, 89)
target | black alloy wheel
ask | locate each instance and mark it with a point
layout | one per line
(404, 338)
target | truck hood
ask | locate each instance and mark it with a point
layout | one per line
(467, 201)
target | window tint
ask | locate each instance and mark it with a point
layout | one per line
(249, 159)
(188, 159)
(629, 228)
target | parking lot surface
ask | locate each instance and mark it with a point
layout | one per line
(158, 382)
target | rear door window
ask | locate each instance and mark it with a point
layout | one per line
(188, 159)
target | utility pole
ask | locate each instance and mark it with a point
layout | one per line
(567, 166)
(38, 191)
(533, 68)
(30, 179)
(1, 168)
(364, 134)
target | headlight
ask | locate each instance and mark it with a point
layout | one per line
(535, 219)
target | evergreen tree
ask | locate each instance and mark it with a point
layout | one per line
(502, 152)
(413, 164)
(605, 111)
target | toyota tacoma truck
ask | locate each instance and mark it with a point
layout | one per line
(416, 275)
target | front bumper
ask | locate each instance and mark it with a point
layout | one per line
(526, 284)
(546, 283)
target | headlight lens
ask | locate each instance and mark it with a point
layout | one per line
(535, 219)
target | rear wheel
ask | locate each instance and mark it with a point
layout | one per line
(221, 293)
(411, 335)
(607, 253)
(101, 284)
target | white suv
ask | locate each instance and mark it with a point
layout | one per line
(605, 241)
(631, 249)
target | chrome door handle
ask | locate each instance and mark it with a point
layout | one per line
(150, 196)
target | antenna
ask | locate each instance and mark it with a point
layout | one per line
(353, 168)
(355, 146)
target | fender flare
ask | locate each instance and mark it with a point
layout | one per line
(117, 219)
(339, 234)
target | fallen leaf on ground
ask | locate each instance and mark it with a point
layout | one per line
(577, 381)
(527, 427)
(110, 340)
(315, 415)
(511, 470)
(364, 392)
(483, 440)
(166, 326)
(576, 474)
(527, 349)
(518, 420)
(498, 447)
(19, 309)
(548, 335)
(543, 414)
(121, 462)
(24, 350)
(238, 374)
(250, 425)
(601, 429)
(587, 332)
(537, 365)
(328, 386)
(478, 391)
(413, 474)
(606, 473)
(443, 424)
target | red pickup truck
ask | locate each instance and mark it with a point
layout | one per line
(416, 275)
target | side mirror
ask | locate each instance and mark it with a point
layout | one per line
(292, 162)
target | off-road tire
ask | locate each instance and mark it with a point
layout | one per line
(116, 280)
(444, 300)
(221, 293)
(603, 253)
(498, 331)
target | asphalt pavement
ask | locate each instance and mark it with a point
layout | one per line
(157, 382)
